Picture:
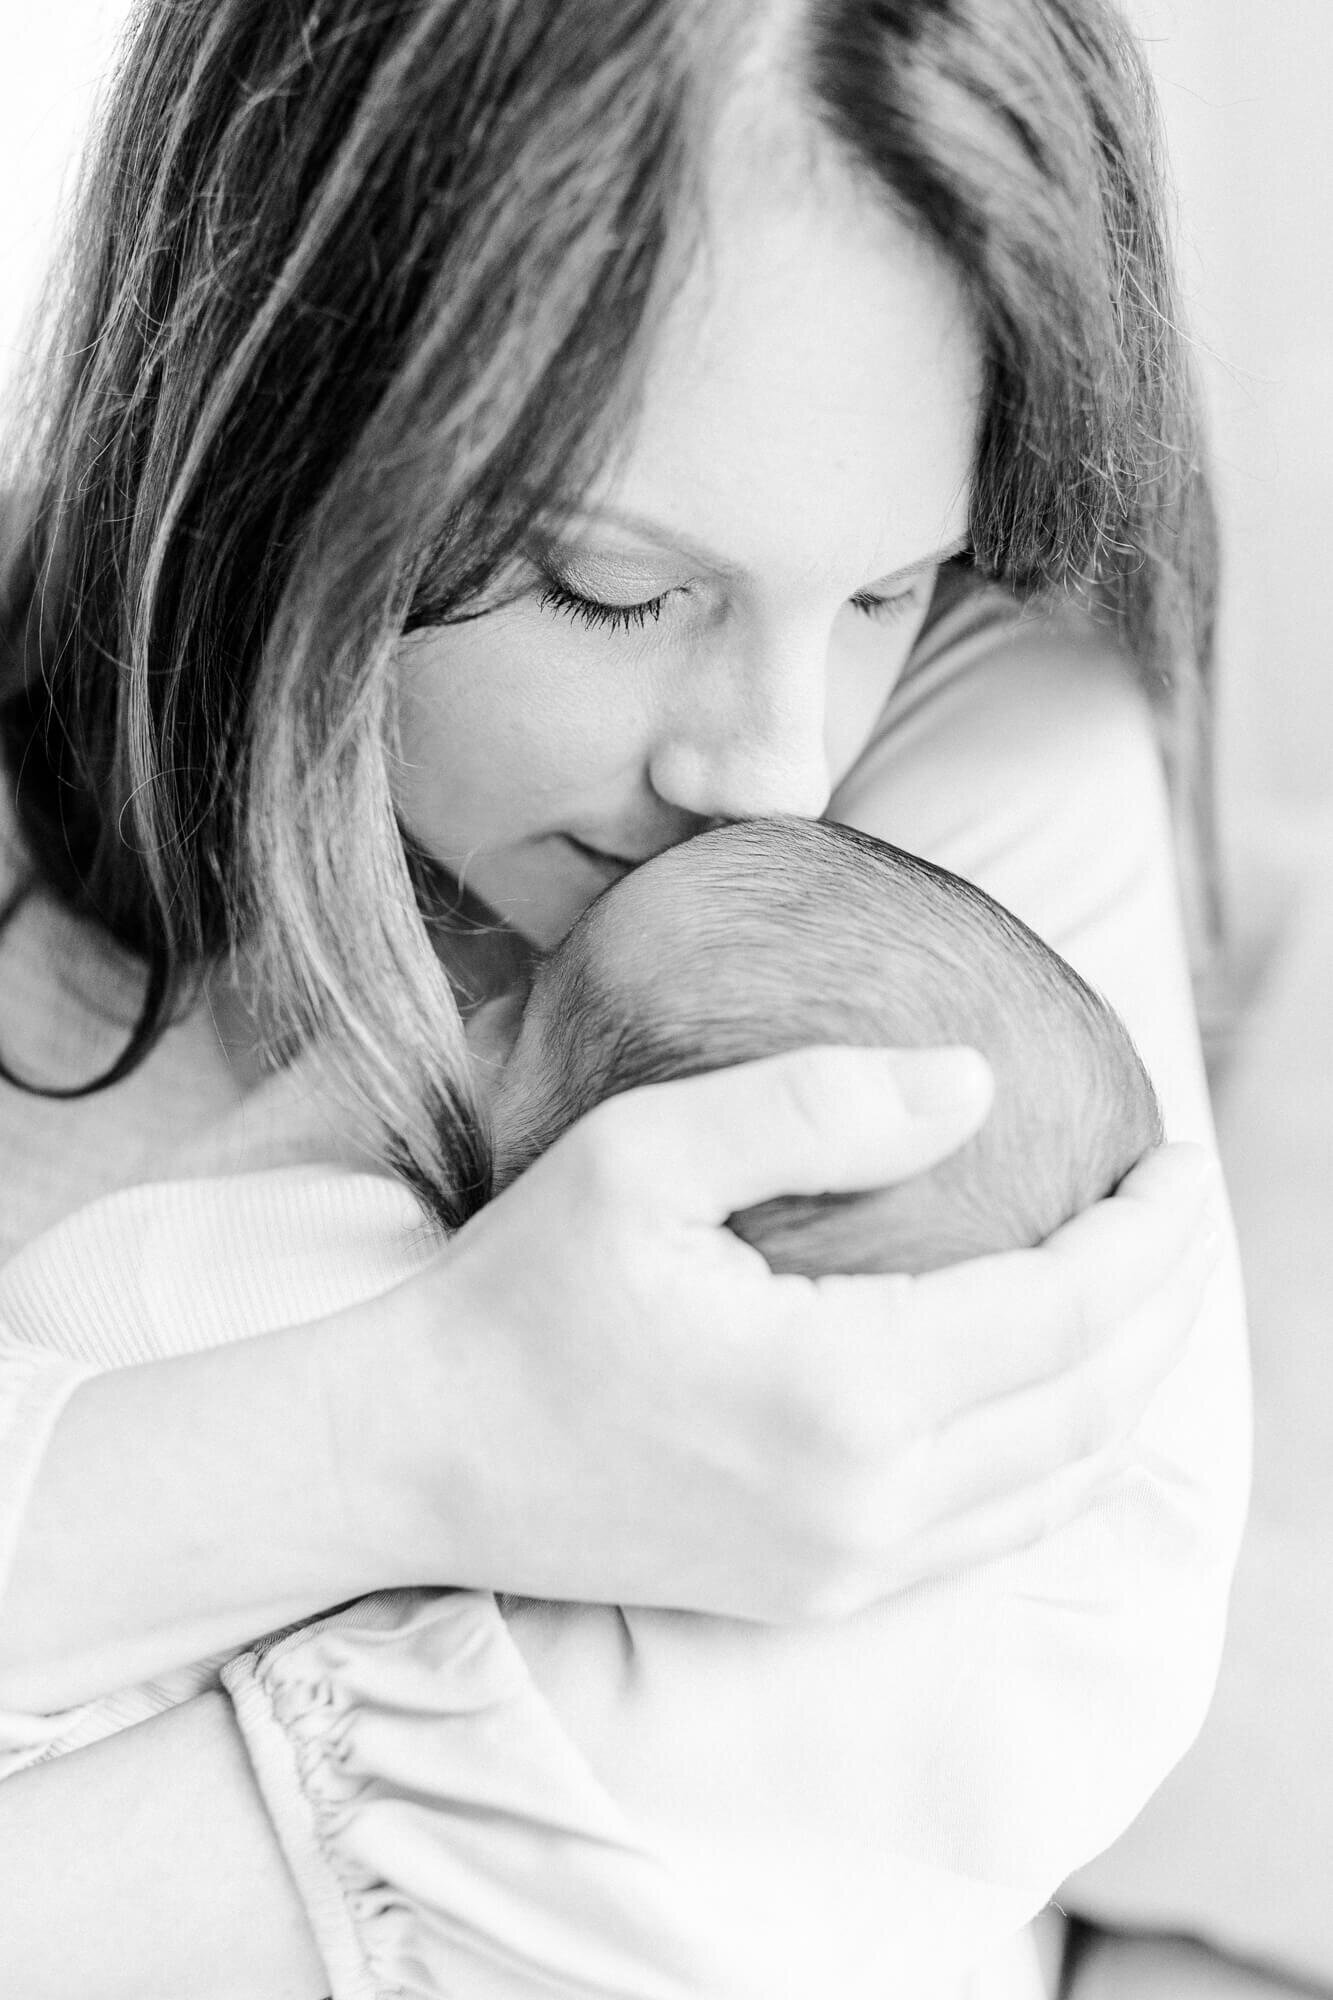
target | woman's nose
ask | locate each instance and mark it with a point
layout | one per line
(746, 738)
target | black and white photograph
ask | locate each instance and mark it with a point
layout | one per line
(666, 1056)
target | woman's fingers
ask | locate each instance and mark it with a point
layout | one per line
(906, 1496)
(1135, 1237)
(959, 1337)
(999, 1527)
(1018, 1441)
(814, 1121)
(966, 1412)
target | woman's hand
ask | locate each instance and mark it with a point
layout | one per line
(616, 1400)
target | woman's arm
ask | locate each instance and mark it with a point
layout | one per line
(145, 1868)
(147, 1539)
(137, 1514)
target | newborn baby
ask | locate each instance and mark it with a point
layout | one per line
(770, 934)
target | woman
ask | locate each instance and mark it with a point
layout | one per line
(427, 526)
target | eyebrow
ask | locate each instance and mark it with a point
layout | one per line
(657, 532)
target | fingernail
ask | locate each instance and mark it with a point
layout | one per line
(936, 1082)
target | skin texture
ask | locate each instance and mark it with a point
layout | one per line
(775, 492)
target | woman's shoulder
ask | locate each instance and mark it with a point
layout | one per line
(1023, 753)
(1043, 675)
(1020, 751)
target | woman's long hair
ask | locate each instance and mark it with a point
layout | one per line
(360, 287)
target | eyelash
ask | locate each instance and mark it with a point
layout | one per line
(884, 609)
(587, 611)
(624, 617)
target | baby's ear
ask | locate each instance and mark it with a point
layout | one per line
(493, 1029)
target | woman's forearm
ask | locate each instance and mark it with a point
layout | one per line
(145, 1868)
(182, 1507)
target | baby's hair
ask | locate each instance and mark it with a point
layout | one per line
(770, 934)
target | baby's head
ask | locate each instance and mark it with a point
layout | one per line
(771, 934)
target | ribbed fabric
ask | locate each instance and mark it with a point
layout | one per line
(129, 1277)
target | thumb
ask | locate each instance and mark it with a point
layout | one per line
(814, 1121)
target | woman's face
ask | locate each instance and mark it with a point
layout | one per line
(715, 633)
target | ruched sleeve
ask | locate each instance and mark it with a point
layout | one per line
(445, 1833)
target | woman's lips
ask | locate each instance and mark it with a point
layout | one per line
(612, 866)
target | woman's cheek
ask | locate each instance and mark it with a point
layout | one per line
(503, 726)
(459, 732)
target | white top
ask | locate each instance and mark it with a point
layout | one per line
(510, 1800)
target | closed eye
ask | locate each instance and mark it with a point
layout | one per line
(884, 609)
(591, 612)
(596, 615)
